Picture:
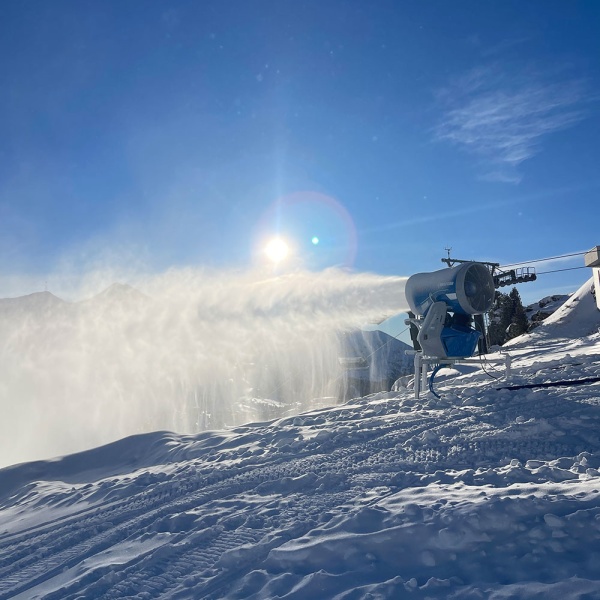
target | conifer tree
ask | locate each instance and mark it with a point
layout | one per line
(519, 323)
(498, 320)
(507, 318)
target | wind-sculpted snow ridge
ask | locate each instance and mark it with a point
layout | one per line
(482, 493)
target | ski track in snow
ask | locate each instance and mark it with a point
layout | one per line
(482, 493)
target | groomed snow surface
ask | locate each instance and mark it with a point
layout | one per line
(484, 493)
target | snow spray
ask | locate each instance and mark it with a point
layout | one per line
(183, 351)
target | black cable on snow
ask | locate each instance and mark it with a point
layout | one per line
(551, 384)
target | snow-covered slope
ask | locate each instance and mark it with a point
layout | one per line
(491, 491)
(577, 317)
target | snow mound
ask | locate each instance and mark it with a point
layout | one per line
(577, 317)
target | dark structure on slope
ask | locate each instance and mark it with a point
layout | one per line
(372, 361)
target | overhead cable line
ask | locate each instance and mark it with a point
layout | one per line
(559, 270)
(523, 262)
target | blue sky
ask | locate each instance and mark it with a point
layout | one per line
(173, 134)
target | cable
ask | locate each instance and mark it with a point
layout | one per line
(483, 360)
(526, 262)
(559, 270)
(551, 384)
(431, 377)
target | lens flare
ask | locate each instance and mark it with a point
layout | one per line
(314, 221)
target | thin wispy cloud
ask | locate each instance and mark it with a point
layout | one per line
(503, 119)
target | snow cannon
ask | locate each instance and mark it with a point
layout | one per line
(467, 289)
(445, 301)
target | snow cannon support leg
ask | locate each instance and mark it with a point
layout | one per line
(507, 366)
(422, 363)
(420, 379)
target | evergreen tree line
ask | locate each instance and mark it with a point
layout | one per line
(507, 318)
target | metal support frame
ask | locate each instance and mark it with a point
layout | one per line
(422, 362)
(501, 277)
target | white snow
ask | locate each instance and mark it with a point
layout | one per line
(490, 492)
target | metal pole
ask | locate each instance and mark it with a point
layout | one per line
(423, 374)
(417, 382)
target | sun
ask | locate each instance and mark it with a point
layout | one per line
(277, 250)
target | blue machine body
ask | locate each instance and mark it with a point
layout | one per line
(459, 341)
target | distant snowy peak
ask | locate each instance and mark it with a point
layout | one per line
(118, 292)
(43, 302)
(36, 302)
(541, 310)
